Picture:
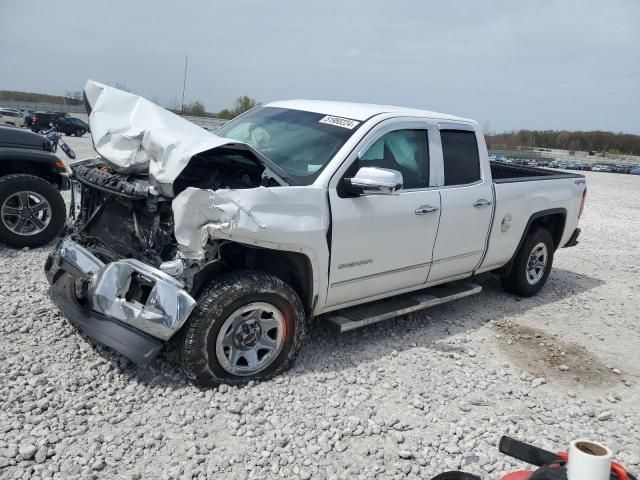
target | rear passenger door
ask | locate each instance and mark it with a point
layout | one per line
(467, 206)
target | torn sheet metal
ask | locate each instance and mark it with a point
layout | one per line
(294, 219)
(277, 215)
(137, 136)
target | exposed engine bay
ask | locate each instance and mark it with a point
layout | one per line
(124, 215)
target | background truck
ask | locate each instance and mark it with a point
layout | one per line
(32, 211)
(343, 212)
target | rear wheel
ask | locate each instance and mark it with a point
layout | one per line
(32, 211)
(247, 326)
(532, 264)
(79, 132)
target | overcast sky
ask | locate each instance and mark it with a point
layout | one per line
(554, 64)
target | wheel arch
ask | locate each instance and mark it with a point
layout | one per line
(553, 219)
(293, 268)
(36, 167)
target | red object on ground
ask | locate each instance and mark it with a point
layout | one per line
(616, 468)
(522, 475)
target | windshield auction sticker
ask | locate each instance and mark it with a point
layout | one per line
(340, 122)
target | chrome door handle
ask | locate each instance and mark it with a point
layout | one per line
(482, 203)
(426, 209)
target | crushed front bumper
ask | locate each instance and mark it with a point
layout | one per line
(126, 305)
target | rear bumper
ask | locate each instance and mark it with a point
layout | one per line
(126, 305)
(573, 241)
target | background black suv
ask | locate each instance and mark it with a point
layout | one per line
(71, 126)
(41, 120)
(62, 121)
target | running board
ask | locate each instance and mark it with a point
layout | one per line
(367, 314)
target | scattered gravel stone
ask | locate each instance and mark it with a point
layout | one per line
(406, 454)
(36, 369)
(536, 382)
(403, 399)
(605, 416)
(27, 451)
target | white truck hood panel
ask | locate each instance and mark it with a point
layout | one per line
(137, 136)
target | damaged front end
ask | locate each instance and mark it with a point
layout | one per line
(126, 305)
(119, 274)
(163, 207)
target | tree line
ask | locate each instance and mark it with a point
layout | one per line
(73, 98)
(593, 141)
(596, 141)
(195, 108)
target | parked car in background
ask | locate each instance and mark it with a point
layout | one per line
(621, 169)
(42, 120)
(71, 126)
(601, 168)
(63, 122)
(32, 211)
(635, 171)
(11, 117)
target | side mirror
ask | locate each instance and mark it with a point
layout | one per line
(374, 181)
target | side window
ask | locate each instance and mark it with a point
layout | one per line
(406, 151)
(461, 159)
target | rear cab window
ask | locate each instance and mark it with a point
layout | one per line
(460, 156)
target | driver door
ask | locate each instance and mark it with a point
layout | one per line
(381, 244)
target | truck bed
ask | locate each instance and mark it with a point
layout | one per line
(506, 173)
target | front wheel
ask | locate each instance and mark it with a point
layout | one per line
(532, 264)
(79, 132)
(32, 211)
(247, 326)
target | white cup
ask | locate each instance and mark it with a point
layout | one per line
(588, 461)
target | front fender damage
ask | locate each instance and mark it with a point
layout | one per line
(294, 219)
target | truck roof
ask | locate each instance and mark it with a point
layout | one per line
(359, 111)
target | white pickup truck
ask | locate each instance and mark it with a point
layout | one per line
(346, 213)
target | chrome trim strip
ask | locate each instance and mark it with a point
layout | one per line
(456, 257)
(379, 274)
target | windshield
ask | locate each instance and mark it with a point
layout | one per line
(300, 143)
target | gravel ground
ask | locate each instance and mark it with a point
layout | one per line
(408, 398)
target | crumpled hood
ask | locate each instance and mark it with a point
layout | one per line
(137, 136)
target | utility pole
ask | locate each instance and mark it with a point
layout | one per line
(184, 82)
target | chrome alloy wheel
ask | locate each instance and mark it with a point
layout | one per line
(537, 263)
(250, 339)
(26, 213)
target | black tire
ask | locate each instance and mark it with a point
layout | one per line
(517, 281)
(12, 184)
(79, 132)
(218, 300)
